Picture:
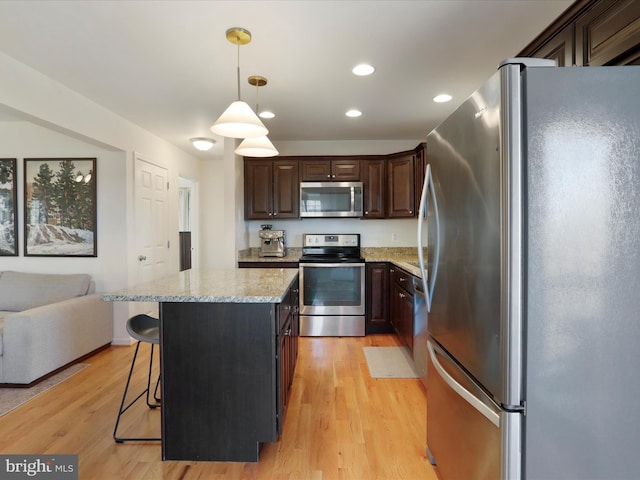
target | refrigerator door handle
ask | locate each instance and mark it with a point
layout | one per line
(422, 213)
(489, 414)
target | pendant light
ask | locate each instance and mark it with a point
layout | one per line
(257, 146)
(238, 120)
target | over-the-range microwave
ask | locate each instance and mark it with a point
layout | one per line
(330, 199)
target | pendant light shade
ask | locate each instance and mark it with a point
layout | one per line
(239, 121)
(257, 147)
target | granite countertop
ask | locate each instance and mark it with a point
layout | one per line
(247, 285)
(403, 257)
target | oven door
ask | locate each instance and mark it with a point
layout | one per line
(332, 288)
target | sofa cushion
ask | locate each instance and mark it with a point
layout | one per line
(21, 291)
(2, 315)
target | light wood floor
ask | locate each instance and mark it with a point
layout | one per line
(341, 424)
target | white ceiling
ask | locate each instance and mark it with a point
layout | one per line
(167, 66)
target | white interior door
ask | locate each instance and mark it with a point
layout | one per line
(152, 236)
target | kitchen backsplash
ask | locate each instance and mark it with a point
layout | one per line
(373, 233)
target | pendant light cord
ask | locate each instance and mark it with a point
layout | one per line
(257, 88)
(238, 69)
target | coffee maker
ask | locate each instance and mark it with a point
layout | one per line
(271, 242)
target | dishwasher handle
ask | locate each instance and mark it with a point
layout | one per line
(418, 288)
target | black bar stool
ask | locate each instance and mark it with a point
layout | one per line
(144, 329)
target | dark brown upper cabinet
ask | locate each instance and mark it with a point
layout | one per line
(400, 185)
(608, 32)
(324, 169)
(591, 33)
(420, 172)
(560, 48)
(271, 189)
(373, 188)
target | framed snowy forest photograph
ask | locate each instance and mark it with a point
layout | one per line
(60, 207)
(8, 212)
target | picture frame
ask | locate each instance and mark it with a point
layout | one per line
(60, 208)
(8, 208)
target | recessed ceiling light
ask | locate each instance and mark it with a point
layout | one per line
(363, 69)
(266, 114)
(442, 98)
(202, 143)
(353, 113)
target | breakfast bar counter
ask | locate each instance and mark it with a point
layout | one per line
(227, 356)
(232, 285)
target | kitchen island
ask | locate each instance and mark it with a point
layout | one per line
(227, 346)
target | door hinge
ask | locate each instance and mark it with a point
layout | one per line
(168, 244)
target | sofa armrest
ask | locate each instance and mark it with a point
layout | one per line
(42, 339)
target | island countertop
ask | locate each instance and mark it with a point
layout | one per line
(254, 285)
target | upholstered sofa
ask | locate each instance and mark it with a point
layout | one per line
(48, 321)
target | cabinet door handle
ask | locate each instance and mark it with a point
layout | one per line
(275, 214)
(329, 176)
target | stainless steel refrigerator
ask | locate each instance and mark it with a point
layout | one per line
(532, 213)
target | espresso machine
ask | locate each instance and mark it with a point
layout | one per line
(271, 242)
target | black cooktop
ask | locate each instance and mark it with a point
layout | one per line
(331, 259)
(331, 254)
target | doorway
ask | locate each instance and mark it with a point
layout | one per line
(152, 241)
(187, 223)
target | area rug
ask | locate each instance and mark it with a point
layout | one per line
(11, 398)
(389, 362)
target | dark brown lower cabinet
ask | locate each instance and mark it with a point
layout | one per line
(402, 306)
(377, 301)
(287, 353)
(226, 373)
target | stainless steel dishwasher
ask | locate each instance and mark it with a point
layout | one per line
(420, 330)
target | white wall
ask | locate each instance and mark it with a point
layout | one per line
(82, 125)
(26, 140)
(222, 219)
(400, 232)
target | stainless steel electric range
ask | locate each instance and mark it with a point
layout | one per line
(332, 286)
